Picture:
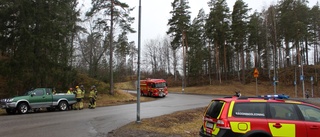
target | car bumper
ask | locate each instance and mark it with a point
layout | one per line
(5, 105)
(222, 133)
(160, 94)
(202, 133)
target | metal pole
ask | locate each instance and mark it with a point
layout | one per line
(274, 71)
(302, 77)
(311, 86)
(184, 56)
(256, 86)
(295, 81)
(139, 51)
(274, 80)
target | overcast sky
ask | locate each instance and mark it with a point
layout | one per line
(155, 14)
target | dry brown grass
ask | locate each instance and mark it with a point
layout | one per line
(130, 85)
(246, 90)
(119, 97)
(181, 123)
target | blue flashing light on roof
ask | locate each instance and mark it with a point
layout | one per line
(280, 96)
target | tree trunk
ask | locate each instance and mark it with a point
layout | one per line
(306, 51)
(243, 66)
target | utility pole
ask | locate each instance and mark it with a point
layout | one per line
(111, 48)
(302, 78)
(295, 81)
(139, 54)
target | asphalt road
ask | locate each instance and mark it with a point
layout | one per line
(94, 122)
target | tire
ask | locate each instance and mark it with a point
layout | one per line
(63, 105)
(23, 108)
(164, 95)
(11, 111)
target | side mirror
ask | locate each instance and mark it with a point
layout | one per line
(33, 94)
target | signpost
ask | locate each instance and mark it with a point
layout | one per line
(256, 75)
(311, 79)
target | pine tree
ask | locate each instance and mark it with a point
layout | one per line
(239, 32)
(38, 37)
(179, 24)
(197, 51)
(217, 33)
(119, 14)
(256, 38)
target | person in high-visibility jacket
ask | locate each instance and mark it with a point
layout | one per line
(70, 91)
(93, 97)
(82, 96)
(79, 104)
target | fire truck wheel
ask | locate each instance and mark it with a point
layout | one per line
(161, 94)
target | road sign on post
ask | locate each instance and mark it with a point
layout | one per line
(256, 73)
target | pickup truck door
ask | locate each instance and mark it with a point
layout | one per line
(39, 98)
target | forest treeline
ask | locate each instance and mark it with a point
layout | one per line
(47, 43)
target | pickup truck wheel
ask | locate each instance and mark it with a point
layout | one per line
(23, 108)
(10, 111)
(63, 105)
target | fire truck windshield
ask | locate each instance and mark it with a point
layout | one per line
(160, 85)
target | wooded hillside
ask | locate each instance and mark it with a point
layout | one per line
(49, 43)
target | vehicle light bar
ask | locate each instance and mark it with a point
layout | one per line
(280, 96)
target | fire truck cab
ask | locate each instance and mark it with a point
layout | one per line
(153, 87)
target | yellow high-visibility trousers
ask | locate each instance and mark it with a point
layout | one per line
(81, 104)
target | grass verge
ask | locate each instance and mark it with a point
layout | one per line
(182, 123)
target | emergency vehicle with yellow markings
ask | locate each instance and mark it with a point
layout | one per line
(153, 87)
(264, 116)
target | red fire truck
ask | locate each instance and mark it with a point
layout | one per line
(153, 87)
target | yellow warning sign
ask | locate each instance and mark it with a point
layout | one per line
(256, 73)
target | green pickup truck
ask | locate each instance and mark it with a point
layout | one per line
(36, 99)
